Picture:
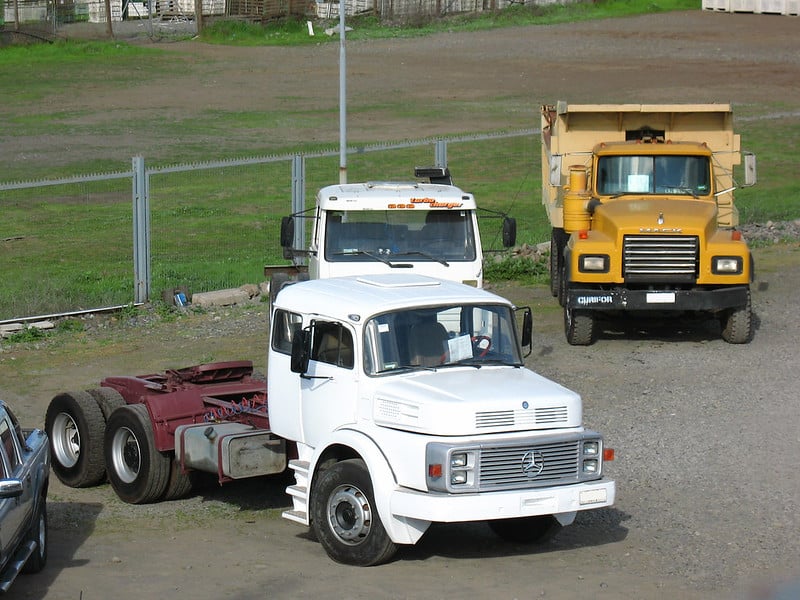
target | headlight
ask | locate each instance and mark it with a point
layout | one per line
(591, 448)
(458, 460)
(593, 263)
(590, 466)
(450, 469)
(726, 265)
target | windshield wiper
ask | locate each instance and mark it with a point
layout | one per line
(377, 257)
(426, 255)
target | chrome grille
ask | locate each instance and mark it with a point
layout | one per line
(501, 467)
(660, 257)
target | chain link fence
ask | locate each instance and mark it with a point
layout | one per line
(69, 245)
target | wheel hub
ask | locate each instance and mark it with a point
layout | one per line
(66, 440)
(349, 514)
(126, 455)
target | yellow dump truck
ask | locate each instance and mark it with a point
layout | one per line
(640, 199)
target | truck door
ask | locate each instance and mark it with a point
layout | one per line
(329, 393)
(12, 510)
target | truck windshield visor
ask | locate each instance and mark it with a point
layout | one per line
(409, 235)
(442, 336)
(647, 174)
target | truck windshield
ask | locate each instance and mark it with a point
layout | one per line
(647, 174)
(443, 336)
(410, 235)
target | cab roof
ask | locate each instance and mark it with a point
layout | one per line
(380, 195)
(366, 295)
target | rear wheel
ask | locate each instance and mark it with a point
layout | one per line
(74, 423)
(579, 327)
(737, 324)
(138, 472)
(525, 530)
(180, 483)
(345, 518)
(557, 243)
(38, 534)
(108, 399)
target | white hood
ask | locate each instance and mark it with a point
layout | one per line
(468, 401)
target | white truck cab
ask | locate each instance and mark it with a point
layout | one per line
(409, 403)
(428, 228)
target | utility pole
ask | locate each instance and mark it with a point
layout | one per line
(342, 98)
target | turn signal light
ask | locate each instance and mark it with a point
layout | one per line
(736, 235)
(608, 454)
(434, 471)
(583, 234)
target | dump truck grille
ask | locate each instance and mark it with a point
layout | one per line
(509, 467)
(660, 258)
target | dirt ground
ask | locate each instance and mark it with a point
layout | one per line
(679, 530)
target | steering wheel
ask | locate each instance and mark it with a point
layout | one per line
(481, 344)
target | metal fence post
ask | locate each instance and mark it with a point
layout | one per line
(141, 231)
(299, 197)
(440, 153)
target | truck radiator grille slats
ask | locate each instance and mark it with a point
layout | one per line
(516, 418)
(511, 467)
(660, 257)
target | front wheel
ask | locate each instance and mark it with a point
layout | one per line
(345, 519)
(138, 472)
(74, 423)
(579, 327)
(737, 324)
(38, 534)
(525, 530)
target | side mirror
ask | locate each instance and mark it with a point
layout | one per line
(527, 331)
(509, 232)
(299, 362)
(555, 170)
(287, 232)
(750, 176)
(10, 488)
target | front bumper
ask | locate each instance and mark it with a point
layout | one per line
(698, 299)
(487, 506)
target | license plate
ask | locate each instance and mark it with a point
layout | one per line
(661, 297)
(593, 496)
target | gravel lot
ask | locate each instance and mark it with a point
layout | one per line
(705, 432)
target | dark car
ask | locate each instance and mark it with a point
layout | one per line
(24, 472)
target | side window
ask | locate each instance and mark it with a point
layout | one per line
(7, 436)
(283, 329)
(333, 344)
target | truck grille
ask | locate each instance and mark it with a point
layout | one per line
(502, 467)
(660, 258)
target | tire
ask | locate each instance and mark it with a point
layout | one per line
(277, 281)
(74, 423)
(525, 530)
(39, 534)
(557, 243)
(180, 484)
(344, 517)
(737, 324)
(137, 471)
(108, 399)
(579, 327)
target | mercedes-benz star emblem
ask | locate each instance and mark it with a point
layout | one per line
(532, 463)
